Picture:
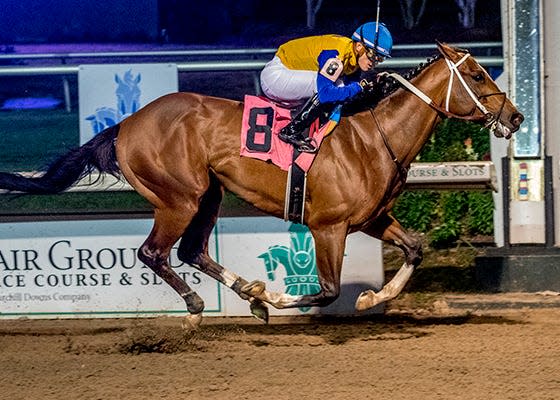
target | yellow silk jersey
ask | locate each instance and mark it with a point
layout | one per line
(302, 54)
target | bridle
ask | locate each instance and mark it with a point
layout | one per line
(490, 119)
(491, 123)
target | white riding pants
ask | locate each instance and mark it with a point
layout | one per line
(287, 85)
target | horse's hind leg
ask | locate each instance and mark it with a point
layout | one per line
(193, 248)
(169, 224)
(388, 229)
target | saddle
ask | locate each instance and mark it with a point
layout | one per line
(262, 120)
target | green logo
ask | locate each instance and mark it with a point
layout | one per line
(298, 261)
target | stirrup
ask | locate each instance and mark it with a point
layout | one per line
(306, 146)
(300, 143)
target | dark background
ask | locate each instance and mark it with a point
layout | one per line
(228, 23)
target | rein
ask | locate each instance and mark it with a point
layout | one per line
(491, 120)
(403, 171)
(444, 113)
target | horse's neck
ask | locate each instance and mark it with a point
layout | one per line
(406, 120)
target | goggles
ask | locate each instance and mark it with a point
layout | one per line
(372, 55)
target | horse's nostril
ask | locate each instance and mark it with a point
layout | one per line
(517, 119)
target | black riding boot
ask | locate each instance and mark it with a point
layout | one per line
(293, 132)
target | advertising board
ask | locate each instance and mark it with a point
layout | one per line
(58, 269)
(111, 92)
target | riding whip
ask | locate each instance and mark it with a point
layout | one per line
(377, 24)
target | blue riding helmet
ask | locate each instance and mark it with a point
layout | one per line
(366, 34)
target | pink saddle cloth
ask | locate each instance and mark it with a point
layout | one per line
(262, 120)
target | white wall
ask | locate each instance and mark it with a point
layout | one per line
(89, 268)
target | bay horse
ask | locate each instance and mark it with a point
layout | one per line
(183, 150)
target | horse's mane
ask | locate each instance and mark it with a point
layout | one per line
(385, 87)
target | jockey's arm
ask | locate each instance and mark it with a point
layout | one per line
(329, 72)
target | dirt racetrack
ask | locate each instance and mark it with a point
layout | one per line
(432, 352)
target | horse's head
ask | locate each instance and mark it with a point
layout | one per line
(472, 92)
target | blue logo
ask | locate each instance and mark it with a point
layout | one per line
(128, 102)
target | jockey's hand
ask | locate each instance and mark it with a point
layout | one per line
(367, 85)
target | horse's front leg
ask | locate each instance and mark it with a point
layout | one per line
(388, 229)
(329, 250)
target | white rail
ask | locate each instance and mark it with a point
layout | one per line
(446, 175)
(220, 66)
(249, 52)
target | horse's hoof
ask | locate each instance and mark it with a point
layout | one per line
(259, 310)
(192, 322)
(254, 289)
(367, 300)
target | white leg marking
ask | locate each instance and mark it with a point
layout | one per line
(279, 300)
(369, 298)
(229, 277)
(192, 322)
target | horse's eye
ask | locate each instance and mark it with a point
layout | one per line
(479, 78)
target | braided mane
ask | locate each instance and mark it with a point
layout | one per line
(386, 87)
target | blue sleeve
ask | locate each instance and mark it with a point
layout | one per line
(326, 89)
(325, 56)
(328, 92)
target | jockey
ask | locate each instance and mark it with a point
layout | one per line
(313, 68)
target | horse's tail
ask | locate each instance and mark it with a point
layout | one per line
(98, 153)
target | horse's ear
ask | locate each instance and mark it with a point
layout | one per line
(443, 48)
(446, 50)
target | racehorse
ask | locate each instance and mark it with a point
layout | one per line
(183, 150)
